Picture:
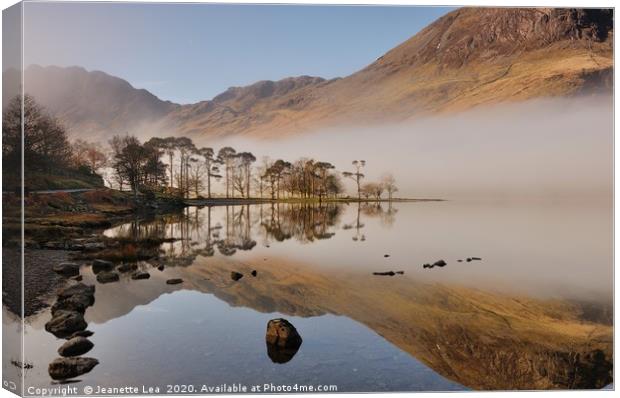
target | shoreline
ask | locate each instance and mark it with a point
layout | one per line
(253, 201)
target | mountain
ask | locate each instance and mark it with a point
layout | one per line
(467, 58)
(91, 102)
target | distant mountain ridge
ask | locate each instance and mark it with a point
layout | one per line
(467, 58)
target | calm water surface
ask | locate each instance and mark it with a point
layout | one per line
(360, 332)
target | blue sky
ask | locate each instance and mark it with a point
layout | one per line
(191, 52)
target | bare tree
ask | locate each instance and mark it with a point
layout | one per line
(389, 183)
(356, 175)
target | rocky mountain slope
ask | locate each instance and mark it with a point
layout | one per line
(467, 58)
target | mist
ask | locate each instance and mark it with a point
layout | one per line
(542, 149)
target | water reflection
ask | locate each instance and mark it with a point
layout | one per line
(308, 272)
(229, 229)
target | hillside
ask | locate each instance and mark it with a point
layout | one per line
(90, 103)
(467, 58)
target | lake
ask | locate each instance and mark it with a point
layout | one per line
(533, 313)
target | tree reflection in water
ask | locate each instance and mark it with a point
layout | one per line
(200, 231)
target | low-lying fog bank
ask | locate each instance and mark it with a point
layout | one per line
(544, 149)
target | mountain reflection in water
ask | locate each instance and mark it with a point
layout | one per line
(314, 261)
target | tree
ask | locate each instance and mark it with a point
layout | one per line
(45, 144)
(246, 159)
(322, 170)
(389, 182)
(197, 171)
(88, 154)
(186, 149)
(226, 156)
(130, 158)
(210, 163)
(356, 175)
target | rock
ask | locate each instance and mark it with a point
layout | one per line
(102, 265)
(476, 259)
(427, 266)
(388, 273)
(127, 267)
(235, 276)
(77, 303)
(161, 268)
(65, 323)
(140, 275)
(282, 333)
(94, 246)
(67, 269)
(439, 263)
(82, 333)
(459, 260)
(67, 368)
(75, 346)
(77, 278)
(174, 281)
(77, 289)
(107, 277)
(254, 273)
(468, 260)
(281, 354)
(386, 255)
(400, 272)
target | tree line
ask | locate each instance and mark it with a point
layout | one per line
(44, 146)
(175, 164)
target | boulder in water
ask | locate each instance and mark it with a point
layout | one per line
(282, 333)
(75, 346)
(102, 265)
(140, 275)
(127, 267)
(67, 269)
(107, 277)
(68, 368)
(65, 323)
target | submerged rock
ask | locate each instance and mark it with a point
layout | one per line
(102, 265)
(67, 269)
(77, 289)
(174, 281)
(67, 368)
(235, 276)
(107, 277)
(127, 267)
(82, 333)
(75, 346)
(65, 323)
(282, 333)
(140, 275)
(387, 273)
